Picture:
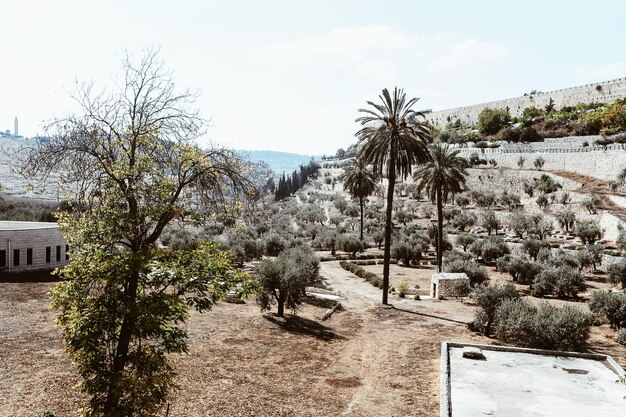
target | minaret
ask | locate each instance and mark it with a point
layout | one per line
(15, 131)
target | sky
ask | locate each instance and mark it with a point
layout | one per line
(290, 75)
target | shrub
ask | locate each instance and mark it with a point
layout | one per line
(490, 121)
(351, 244)
(588, 231)
(617, 272)
(539, 162)
(463, 220)
(520, 323)
(492, 248)
(488, 298)
(611, 306)
(465, 240)
(408, 250)
(520, 270)
(274, 244)
(403, 288)
(533, 246)
(561, 282)
(44, 413)
(477, 274)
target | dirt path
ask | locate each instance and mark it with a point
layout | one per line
(596, 187)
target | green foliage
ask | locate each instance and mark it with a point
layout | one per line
(520, 162)
(520, 323)
(465, 240)
(489, 249)
(351, 244)
(409, 250)
(394, 137)
(588, 231)
(283, 280)
(488, 298)
(489, 221)
(539, 162)
(610, 305)
(123, 301)
(457, 262)
(545, 184)
(490, 121)
(566, 218)
(617, 272)
(560, 282)
(370, 277)
(274, 244)
(508, 200)
(44, 413)
(533, 246)
(463, 220)
(521, 270)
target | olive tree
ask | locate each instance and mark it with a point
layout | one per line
(283, 280)
(130, 157)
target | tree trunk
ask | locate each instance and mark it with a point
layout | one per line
(439, 229)
(361, 204)
(281, 308)
(121, 351)
(387, 251)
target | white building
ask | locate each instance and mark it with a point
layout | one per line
(31, 246)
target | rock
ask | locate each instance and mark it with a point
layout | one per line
(471, 352)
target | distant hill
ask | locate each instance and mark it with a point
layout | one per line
(279, 161)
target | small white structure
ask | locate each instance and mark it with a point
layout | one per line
(441, 283)
(31, 246)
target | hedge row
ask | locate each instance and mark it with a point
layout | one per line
(370, 277)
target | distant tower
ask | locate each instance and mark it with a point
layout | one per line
(16, 131)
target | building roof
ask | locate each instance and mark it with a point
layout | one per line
(448, 276)
(11, 225)
(516, 382)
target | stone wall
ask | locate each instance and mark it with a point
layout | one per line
(605, 91)
(594, 161)
(36, 239)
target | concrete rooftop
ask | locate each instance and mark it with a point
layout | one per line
(512, 382)
(10, 225)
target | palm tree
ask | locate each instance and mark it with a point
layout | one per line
(360, 182)
(394, 137)
(443, 174)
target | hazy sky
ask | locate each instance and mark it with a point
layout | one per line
(290, 75)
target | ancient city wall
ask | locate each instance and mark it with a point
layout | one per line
(605, 91)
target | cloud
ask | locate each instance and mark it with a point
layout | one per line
(458, 55)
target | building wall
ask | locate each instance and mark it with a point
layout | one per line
(605, 91)
(36, 239)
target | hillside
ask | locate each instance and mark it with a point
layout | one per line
(279, 161)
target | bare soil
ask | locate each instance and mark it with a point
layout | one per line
(367, 360)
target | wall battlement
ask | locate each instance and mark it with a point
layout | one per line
(604, 91)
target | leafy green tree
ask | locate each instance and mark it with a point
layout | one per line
(394, 137)
(283, 280)
(360, 182)
(489, 221)
(488, 298)
(442, 175)
(588, 231)
(566, 218)
(123, 301)
(351, 244)
(465, 240)
(490, 121)
(617, 272)
(463, 220)
(520, 162)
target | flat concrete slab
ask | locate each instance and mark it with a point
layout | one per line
(511, 382)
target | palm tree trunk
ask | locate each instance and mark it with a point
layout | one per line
(361, 203)
(387, 251)
(439, 229)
